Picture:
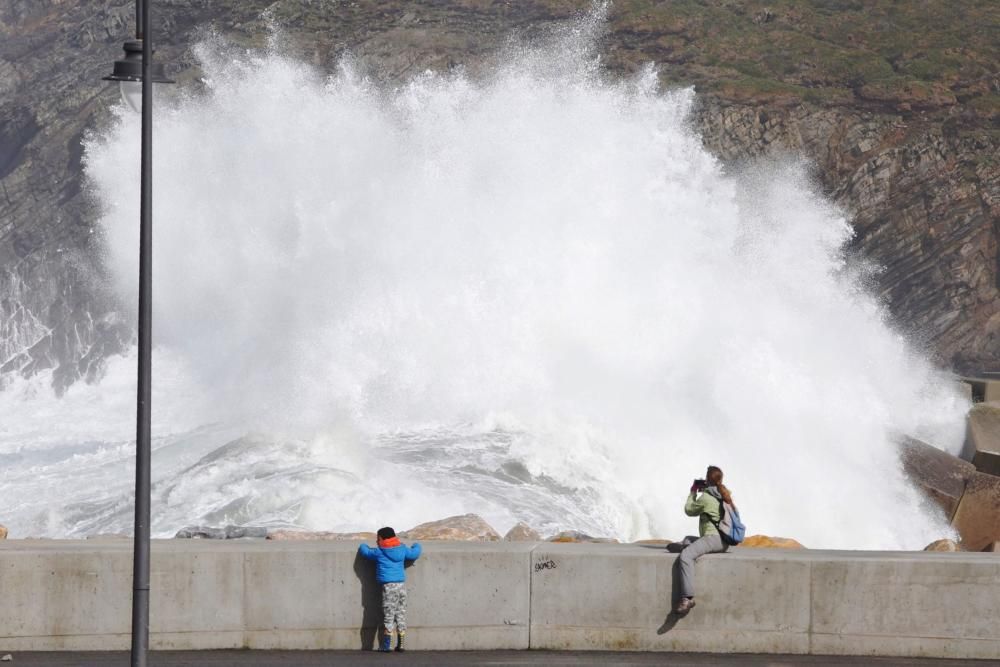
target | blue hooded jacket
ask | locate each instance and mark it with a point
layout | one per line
(389, 561)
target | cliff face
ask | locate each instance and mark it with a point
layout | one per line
(896, 104)
(924, 205)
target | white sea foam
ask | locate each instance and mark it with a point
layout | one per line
(531, 295)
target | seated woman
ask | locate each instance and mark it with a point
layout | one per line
(704, 502)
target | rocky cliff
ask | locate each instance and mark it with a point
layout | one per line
(897, 104)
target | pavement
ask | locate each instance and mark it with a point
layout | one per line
(257, 658)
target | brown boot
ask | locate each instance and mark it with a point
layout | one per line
(684, 606)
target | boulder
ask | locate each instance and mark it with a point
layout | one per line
(992, 547)
(941, 476)
(522, 532)
(227, 533)
(463, 528)
(577, 536)
(984, 437)
(201, 533)
(3, 532)
(768, 542)
(978, 516)
(943, 545)
(319, 535)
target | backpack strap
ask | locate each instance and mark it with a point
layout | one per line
(722, 515)
(722, 510)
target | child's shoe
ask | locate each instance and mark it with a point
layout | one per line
(399, 641)
(386, 644)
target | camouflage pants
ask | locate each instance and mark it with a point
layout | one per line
(394, 607)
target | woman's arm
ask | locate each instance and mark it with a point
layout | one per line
(694, 506)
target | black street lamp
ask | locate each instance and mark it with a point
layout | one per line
(133, 73)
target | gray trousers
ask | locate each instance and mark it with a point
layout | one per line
(694, 549)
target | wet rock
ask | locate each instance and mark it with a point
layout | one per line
(769, 542)
(943, 545)
(227, 533)
(464, 528)
(978, 516)
(201, 533)
(941, 476)
(239, 532)
(306, 535)
(522, 532)
(984, 437)
(577, 536)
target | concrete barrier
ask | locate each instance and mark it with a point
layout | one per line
(983, 389)
(205, 594)
(302, 595)
(618, 597)
(769, 601)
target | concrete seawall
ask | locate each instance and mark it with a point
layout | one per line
(295, 595)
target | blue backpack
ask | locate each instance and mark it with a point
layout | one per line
(730, 526)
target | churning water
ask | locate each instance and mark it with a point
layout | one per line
(531, 294)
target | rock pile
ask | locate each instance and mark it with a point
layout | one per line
(226, 533)
(968, 493)
(577, 536)
(465, 527)
(312, 535)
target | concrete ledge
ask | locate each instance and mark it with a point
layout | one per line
(903, 606)
(618, 597)
(76, 595)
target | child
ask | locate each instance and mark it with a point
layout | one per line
(390, 556)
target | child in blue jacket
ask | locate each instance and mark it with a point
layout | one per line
(390, 556)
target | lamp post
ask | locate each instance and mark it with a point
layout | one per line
(134, 73)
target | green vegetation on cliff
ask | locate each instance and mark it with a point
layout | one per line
(911, 55)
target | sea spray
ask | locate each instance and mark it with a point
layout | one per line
(532, 294)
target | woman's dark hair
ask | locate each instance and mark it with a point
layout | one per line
(385, 533)
(714, 477)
